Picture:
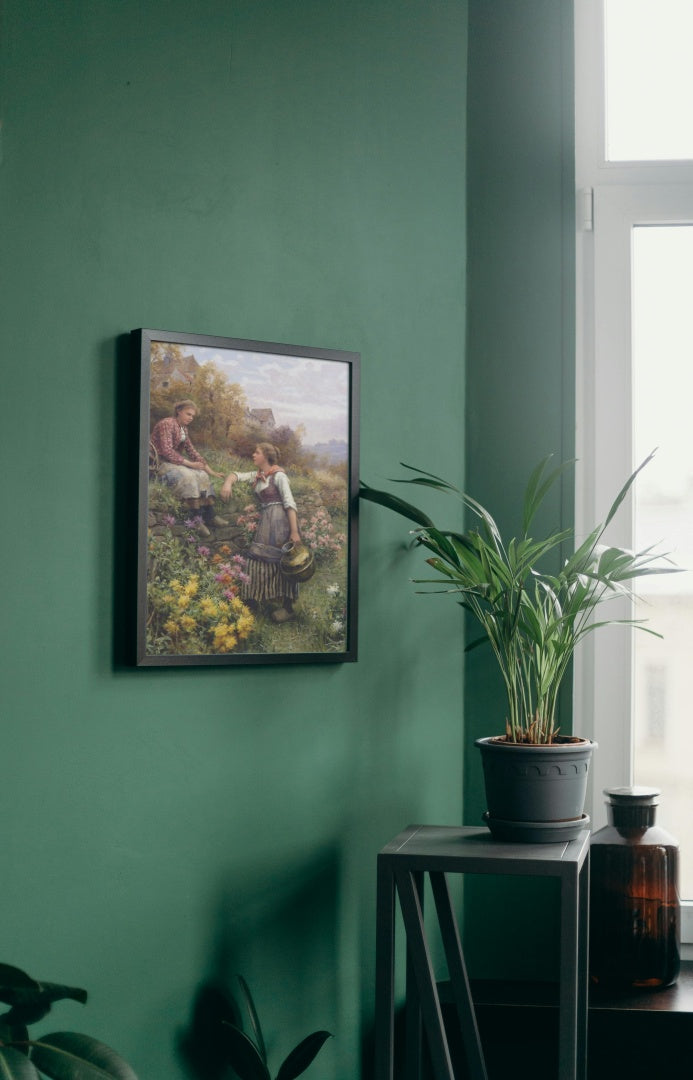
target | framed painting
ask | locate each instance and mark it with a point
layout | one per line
(248, 500)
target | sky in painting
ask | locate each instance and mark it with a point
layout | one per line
(298, 389)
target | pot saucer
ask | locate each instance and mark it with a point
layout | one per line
(535, 832)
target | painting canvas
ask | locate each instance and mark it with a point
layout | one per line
(248, 476)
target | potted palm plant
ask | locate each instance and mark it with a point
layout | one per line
(533, 618)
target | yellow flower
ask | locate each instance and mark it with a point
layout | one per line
(224, 607)
(183, 601)
(176, 585)
(171, 626)
(226, 642)
(193, 585)
(244, 625)
(208, 607)
(187, 622)
(238, 605)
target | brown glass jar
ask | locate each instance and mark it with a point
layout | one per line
(635, 914)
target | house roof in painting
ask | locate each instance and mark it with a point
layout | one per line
(262, 416)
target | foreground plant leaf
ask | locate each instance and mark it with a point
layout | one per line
(31, 1000)
(243, 1055)
(67, 1055)
(14, 1065)
(301, 1056)
(400, 506)
(253, 1017)
(16, 1035)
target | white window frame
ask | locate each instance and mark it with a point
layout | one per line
(611, 198)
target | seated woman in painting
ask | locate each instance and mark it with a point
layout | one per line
(183, 468)
(277, 526)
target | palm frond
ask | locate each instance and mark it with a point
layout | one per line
(532, 617)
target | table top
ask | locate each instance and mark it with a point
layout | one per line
(464, 849)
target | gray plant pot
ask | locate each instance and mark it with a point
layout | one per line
(536, 794)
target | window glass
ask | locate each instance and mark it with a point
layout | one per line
(662, 352)
(649, 79)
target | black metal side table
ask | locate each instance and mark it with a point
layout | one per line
(441, 850)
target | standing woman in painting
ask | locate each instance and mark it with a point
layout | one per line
(277, 526)
(183, 468)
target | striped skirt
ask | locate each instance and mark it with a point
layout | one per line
(267, 582)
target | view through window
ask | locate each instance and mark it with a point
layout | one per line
(634, 166)
(662, 351)
(649, 79)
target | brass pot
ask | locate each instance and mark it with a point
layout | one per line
(297, 562)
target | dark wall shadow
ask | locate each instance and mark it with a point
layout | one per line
(280, 930)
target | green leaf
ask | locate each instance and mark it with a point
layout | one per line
(392, 502)
(466, 548)
(16, 1066)
(16, 1034)
(438, 543)
(423, 481)
(626, 488)
(477, 641)
(243, 1055)
(531, 618)
(422, 472)
(31, 1000)
(530, 499)
(253, 1017)
(481, 512)
(66, 1055)
(12, 978)
(536, 489)
(531, 624)
(440, 566)
(301, 1056)
(583, 556)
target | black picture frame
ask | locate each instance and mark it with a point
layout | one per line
(202, 597)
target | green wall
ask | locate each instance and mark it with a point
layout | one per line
(289, 172)
(520, 364)
(277, 171)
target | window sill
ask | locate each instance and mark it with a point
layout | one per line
(511, 994)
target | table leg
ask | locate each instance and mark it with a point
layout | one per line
(583, 968)
(385, 972)
(458, 977)
(568, 984)
(425, 978)
(413, 1043)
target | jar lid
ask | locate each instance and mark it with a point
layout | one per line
(632, 796)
